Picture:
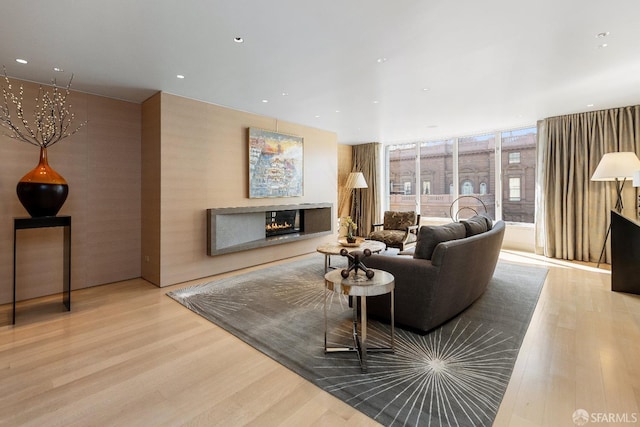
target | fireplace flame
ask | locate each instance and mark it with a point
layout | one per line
(275, 226)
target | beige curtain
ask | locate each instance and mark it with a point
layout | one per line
(574, 212)
(366, 159)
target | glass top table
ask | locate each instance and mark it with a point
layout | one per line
(357, 285)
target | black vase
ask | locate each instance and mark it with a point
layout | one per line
(42, 191)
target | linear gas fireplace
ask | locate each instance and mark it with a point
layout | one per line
(243, 228)
(282, 222)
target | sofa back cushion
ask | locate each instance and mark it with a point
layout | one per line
(429, 236)
(477, 224)
(394, 220)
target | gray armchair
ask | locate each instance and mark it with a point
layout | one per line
(399, 229)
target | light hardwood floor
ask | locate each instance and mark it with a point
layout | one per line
(128, 355)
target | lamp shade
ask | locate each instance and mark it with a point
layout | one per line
(636, 179)
(356, 180)
(614, 166)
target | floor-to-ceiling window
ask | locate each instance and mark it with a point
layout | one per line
(402, 177)
(436, 168)
(458, 177)
(518, 174)
(477, 166)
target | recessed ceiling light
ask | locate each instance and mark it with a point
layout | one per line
(285, 94)
(21, 61)
(58, 69)
(238, 39)
(425, 89)
(381, 60)
(337, 111)
(317, 116)
(376, 102)
(602, 35)
(589, 105)
(265, 100)
(180, 76)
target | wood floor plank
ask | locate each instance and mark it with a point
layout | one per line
(129, 355)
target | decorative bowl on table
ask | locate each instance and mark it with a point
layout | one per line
(358, 242)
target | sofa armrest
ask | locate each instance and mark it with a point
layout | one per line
(404, 269)
(415, 284)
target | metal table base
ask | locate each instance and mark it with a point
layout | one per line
(360, 338)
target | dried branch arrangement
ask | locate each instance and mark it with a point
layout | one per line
(51, 121)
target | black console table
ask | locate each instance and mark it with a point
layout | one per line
(45, 222)
(625, 254)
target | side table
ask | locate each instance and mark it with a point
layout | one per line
(44, 222)
(357, 285)
(334, 248)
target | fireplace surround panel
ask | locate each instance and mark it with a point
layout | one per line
(243, 228)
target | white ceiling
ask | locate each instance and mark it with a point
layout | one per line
(487, 64)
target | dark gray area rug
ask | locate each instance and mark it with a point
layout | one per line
(454, 376)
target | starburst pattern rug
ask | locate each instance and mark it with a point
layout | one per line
(454, 376)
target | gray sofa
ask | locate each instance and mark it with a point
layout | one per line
(450, 269)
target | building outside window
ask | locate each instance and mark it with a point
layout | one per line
(514, 189)
(426, 187)
(481, 161)
(466, 188)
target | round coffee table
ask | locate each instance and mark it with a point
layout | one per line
(358, 285)
(334, 248)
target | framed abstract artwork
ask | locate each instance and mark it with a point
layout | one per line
(275, 164)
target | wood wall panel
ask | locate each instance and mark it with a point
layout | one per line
(113, 192)
(204, 164)
(101, 163)
(150, 197)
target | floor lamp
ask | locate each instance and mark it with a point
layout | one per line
(355, 181)
(616, 167)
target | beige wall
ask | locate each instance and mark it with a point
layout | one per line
(101, 164)
(194, 157)
(200, 152)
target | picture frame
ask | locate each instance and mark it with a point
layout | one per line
(276, 164)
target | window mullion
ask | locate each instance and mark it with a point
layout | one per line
(498, 176)
(456, 175)
(418, 183)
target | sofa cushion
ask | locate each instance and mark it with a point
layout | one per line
(429, 236)
(475, 225)
(394, 220)
(488, 219)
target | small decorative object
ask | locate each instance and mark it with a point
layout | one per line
(353, 244)
(42, 191)
(355, 263)
(350, 227)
